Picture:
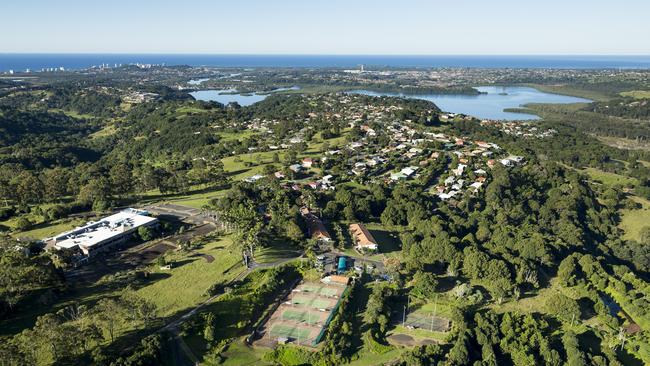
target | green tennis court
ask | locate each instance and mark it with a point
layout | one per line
(287, 331)
(322, 290)
(301, 316)
(311, 302)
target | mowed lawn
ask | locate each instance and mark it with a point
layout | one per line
(632, 221)
(198, 200)
(609, 179)
(193, 276)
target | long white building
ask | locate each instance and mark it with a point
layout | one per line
(105, 234)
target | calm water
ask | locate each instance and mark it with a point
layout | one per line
(197, 81)
(35, 62)
(492, 104)
(226, 96)
(223, 97)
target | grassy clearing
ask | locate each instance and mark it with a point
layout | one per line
(638, 94)
(73, 114)
(108, 130)
(240, 354)
(632, 221)
(609, 179)
(198, 200)
(316, 147)
(277, 251)
(530, 303)
(51, 229)
(197, 196)
(237, 165)
(442, 306)
(367, 358)
(623, 143)
(189, 109)
(192, 276)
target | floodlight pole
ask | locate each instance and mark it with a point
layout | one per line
(408, 302)
(404, 316)
(435, 307)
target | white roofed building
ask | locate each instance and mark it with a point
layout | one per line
(105, 234)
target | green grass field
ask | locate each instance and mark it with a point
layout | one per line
(192, 277)
(189, 109)
(197, 197)
(367, 358)
(632, 221)
(239, 354)
(609, 179)
(638, 94)
(197, 200)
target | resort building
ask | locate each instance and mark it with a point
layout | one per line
(362, 237)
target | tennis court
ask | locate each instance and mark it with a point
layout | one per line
(289, 332)
(321, 290)
(302, 315)
(426, 321)
(313, 302)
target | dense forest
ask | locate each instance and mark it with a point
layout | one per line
(624, 107)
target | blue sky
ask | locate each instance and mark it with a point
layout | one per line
(327, 26)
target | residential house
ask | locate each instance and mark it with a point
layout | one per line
(307, 163)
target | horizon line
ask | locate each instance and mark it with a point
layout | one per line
(341, 54)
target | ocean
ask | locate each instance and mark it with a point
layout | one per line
(36, 62)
